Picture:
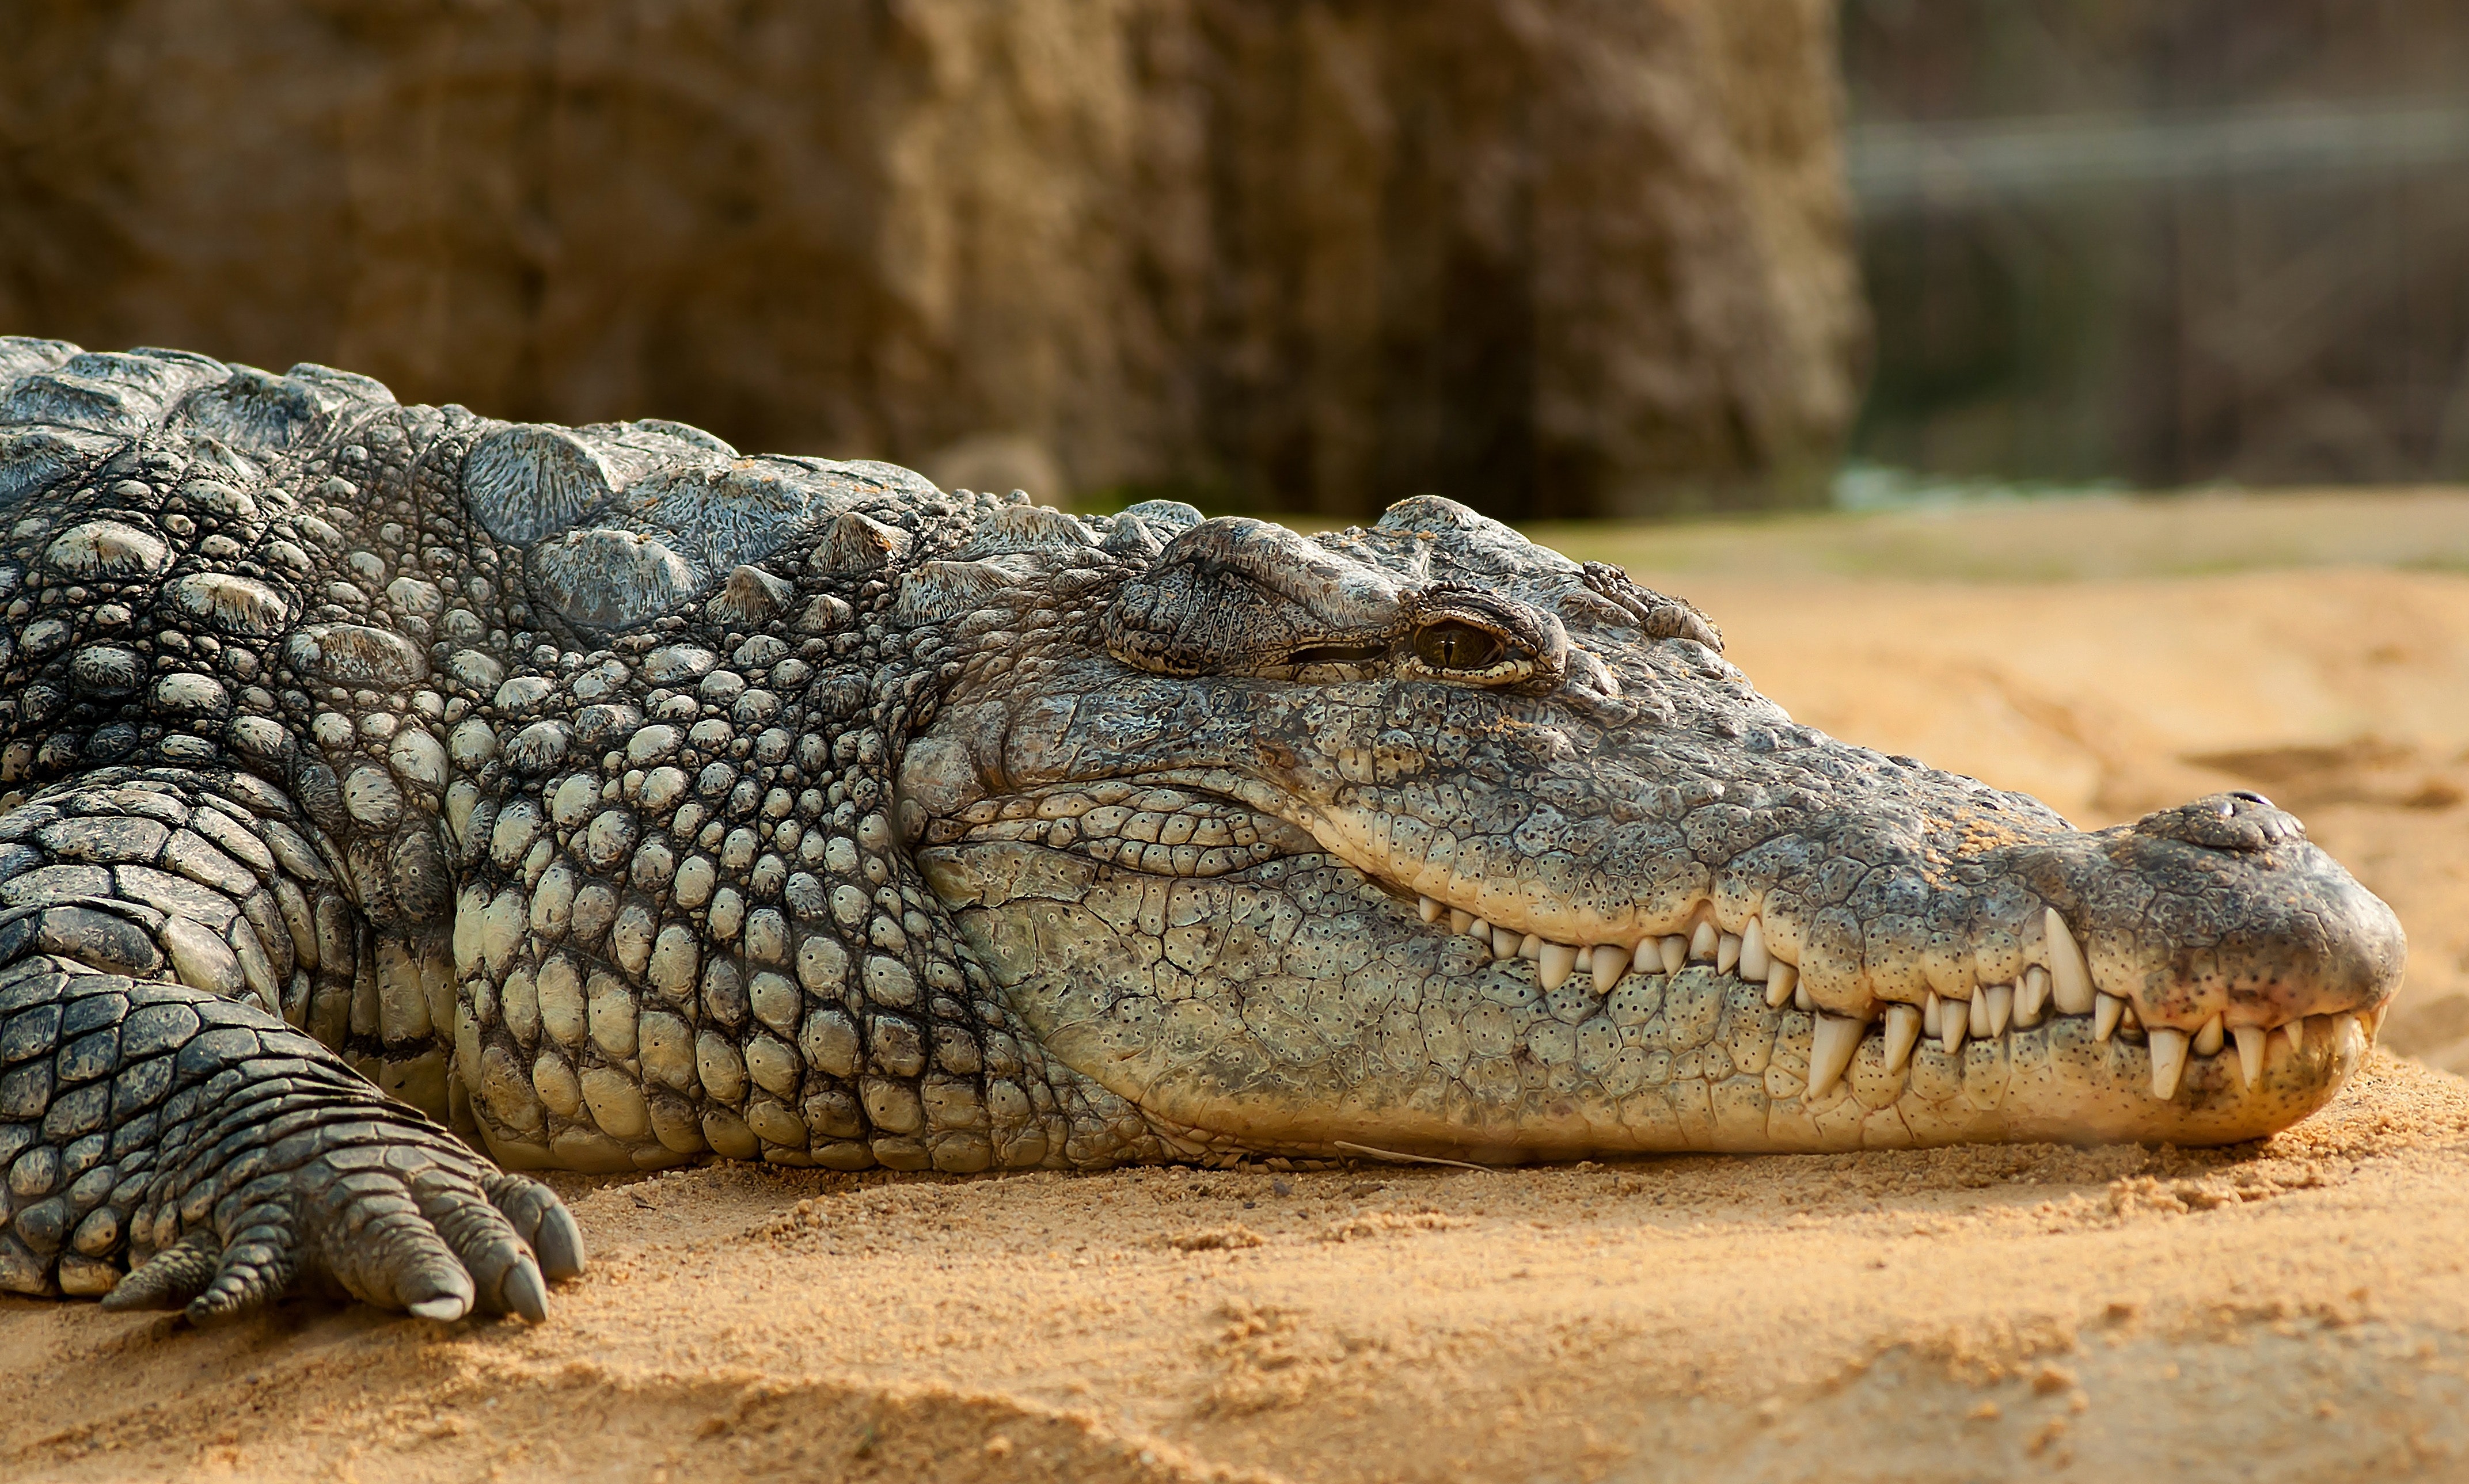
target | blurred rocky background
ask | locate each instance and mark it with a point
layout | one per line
(2164, 243)
(1549, 257)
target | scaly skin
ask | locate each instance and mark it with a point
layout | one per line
(614, 801)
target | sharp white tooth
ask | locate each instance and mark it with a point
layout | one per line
(1559, 962)
(2250, 1040)
(2297, 1030)
(1975, 1015)
(1531, 946)
(2069, 976)
(1430, 909)
(1830, 1051)
(1801, 1001)
(1728, 953)
(1461, 921)
(1953, 1019)
(2168, 1061)
(1505, 942)
(2210, 1039)
(1675, 952)
(1755, 962)
(2031, 994)
(1903, 1033)
(1608, 962)
(2104, 1019)
(2374, 1019)
(2002, 1008)
(1701, 943)
(1782, 980)
(1933, 1009)
(2348, 1037)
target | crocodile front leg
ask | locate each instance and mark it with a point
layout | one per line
(222, 1160)
(173, 1144)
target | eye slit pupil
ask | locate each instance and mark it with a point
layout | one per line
(1454, 646)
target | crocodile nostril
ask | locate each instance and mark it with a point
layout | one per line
(2238, 821)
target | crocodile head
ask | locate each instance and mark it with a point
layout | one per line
(1425, 839)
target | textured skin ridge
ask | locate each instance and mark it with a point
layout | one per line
(377, 775)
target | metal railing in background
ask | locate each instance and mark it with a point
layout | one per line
(2170, 242)
(1898, 166)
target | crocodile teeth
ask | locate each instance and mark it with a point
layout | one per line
(2209, 1040)
(2104, 1020)
(1531, 946)
(1755, 962)
(1461, 921)
(1801, 1001)
(2348, 1036)
(1674, 951)
(2001, 1007)
(1727, 952)
(2031, 995)
(1976, 1017)
(1782, 979)
(2168, 1061)
(2251, 1042)
(1505, 942)
(1607, 963)
(1431, 910)
(1953, 1019)
(2297, 1030)
(1701, 943)
(2069, 976)
(1557, 962)
(1830, 1051)
(1903, 1033)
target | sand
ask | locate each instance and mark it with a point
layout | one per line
(2284, 1311)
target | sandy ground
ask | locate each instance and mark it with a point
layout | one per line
(2293, 1310)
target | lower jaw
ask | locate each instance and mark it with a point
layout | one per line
(2055, 1082)
(1742, 1090)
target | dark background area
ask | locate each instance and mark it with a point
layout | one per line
(2164, 242)
(1553, 257)
(1549, 257)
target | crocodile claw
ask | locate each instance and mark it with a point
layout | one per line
(412, 1233)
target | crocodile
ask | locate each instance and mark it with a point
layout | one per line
(399, 800)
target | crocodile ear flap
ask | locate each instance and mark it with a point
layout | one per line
(1233, 593)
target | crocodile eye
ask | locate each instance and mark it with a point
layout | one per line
(1450, 645)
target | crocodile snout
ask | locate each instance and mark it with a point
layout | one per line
(2220, 910)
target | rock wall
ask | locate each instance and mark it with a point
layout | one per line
(1550, 256)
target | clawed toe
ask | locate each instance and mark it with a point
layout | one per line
(543, 1220)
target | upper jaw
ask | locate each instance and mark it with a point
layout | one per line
(2213, 921)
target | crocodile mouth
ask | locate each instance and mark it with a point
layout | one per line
(2110, 1065)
